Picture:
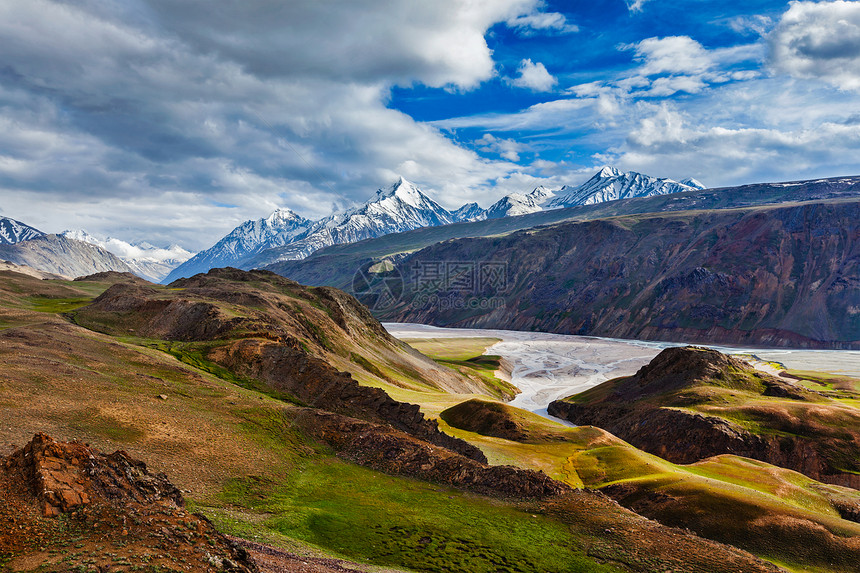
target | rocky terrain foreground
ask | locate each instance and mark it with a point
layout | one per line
(68, 507)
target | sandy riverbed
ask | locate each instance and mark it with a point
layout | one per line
(547, 367)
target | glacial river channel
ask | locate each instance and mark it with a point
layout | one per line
(547, 367)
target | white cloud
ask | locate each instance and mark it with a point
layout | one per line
(226, 114)
(534, 76)
(507, 148)
(674, 64)
(753, 24)
(672, 143)
(635, 5)
(819, 40)
(553, 22)
(673, 54)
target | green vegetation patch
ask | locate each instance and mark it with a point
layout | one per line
(466, 356)
(57, 305)
(93, 421)
(395, 521)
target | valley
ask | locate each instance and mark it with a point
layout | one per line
(289, 416)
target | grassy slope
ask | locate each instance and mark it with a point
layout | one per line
(466, 356)
(721, 498)
(240, 459)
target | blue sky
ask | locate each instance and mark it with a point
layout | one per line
(176, 120)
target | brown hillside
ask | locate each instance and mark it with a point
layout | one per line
(692, 403)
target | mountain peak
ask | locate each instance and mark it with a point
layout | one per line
(609, 184)
(284, 215)
(608, 171)
(12, 231)
(403, 190)
(694, 183)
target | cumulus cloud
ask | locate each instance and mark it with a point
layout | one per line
(819, 40)
(673, 54)
(673, 64)
(225, 114)
(534, 76)
(670, 141)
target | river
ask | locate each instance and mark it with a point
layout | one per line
(547, 367)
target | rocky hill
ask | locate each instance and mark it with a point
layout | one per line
(691, 403)
(260, 326)
(67, 507)
(784, 275)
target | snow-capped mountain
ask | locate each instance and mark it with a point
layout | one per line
(278, 229)
(469, 212)
(62, 256)
(514, 204)
(694, 183)
(12, 231)
(145, 260)
(610, 184)
(400, 207)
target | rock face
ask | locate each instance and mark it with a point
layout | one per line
(110, 501)
(691, 403)
(286, 367)
(12, 231)
(773, 276)
(386, 449)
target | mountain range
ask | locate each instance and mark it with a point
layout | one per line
(12, 231)
(62, 256)
(144, 259)
(285, 236)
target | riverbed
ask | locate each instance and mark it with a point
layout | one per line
(547, 367)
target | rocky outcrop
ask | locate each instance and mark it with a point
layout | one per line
(677, 407)
(109, 501)
(386, 449)
(285, 367)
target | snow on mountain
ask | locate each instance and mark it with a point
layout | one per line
(145, 260)
(514, 204)
(400, 207)
(468, 213)
(12, 231)
(694, 183)
(609, 184)
(62, 256)
(280, 228)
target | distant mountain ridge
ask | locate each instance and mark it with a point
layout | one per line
(12, 231)
(285, 236)
(62, 256)
(144, 259)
